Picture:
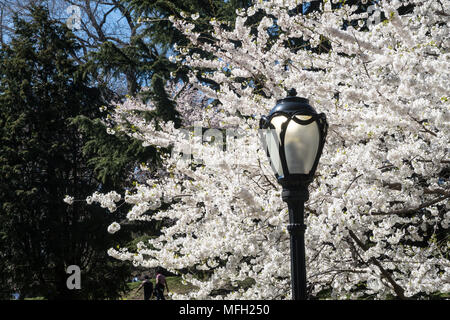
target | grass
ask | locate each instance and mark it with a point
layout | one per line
(175, 285)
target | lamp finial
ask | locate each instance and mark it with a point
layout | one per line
(292, 93)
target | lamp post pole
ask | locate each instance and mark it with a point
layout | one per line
(296, 227)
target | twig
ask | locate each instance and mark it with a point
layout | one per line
(357, 177)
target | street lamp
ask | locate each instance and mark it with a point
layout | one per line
(294, 138)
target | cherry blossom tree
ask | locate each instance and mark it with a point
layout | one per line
(378, 213)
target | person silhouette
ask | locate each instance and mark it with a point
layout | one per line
(148, 288)
(161, 283)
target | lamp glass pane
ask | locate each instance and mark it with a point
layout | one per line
(273, 144)
(301, 144)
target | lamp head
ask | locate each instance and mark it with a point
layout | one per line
(294, 137)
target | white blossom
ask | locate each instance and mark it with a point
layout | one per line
(113, 227)
(68, 199)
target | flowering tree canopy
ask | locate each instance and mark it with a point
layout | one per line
(378, 211)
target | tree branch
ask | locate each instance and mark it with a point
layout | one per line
(406, 212)
(397, 288)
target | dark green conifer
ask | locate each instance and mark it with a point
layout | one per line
(41, 161)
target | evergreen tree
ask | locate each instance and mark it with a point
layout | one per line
(42, 161)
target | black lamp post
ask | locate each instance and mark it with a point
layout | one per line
(294, 141)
